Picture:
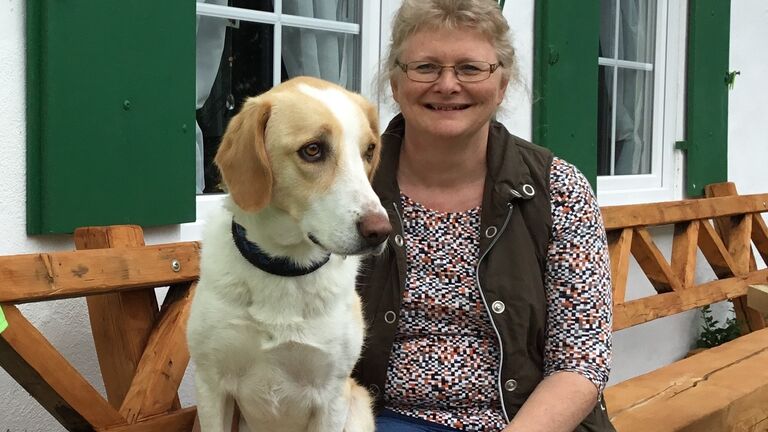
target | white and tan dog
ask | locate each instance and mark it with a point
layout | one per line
(276, 324)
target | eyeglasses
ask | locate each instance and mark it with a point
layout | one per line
(427, 72)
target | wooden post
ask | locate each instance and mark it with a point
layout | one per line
(121, 322)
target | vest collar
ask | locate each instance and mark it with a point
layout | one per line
(278, 266)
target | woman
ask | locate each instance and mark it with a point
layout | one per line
(492, 309)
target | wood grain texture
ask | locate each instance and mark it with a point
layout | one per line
(33, 362)
(177, 421)
(684, 249)
(57, 275)
(165, 359)
(653, 262)
(120, 322)
(619, 247)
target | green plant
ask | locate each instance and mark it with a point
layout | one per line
(712, 334)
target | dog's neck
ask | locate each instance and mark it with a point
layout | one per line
(279, 236)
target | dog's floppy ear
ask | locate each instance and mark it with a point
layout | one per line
(242, 156)
(373, 121)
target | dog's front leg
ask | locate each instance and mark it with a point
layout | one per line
(329, 417)
(211, 406)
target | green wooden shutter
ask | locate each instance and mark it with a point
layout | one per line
(566, 43)
(110, 113)
(707, 94)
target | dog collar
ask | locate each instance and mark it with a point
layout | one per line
(280, 266)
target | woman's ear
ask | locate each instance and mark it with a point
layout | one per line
(242, 156)
(393, 84)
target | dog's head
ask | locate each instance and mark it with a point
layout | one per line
(309, 149)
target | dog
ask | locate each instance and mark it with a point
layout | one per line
(276, 324)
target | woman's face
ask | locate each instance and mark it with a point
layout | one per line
(447, 108)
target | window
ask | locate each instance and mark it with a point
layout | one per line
(248, 46)
(639, 106)
(657, 85)
(245, 47)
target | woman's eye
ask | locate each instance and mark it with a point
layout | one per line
(426, 67)
(468, 68)
(312, 152)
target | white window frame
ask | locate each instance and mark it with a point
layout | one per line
(368, 30)
(665, 182)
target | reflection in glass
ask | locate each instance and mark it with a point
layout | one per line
(334, 10)
(630, 143)
(329, 55)
(245, 70)
(637, 30)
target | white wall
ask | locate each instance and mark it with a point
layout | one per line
(636, 350)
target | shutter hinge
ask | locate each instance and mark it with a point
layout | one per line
(681, 145)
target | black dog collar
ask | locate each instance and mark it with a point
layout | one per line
(280, 266)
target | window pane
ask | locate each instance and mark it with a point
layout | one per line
(243, 68)
(607, 28)
(604, 119)
(329, 55)
(334, 10)
(637, 30)
(259, 5)
(634, 118)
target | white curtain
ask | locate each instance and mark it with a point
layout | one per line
(635, 37)
(316, 53)
(211, 33)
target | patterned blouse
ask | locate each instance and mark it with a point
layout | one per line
(445, 358)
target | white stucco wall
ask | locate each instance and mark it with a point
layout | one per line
(636, 350)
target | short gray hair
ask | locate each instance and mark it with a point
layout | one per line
(483, 16)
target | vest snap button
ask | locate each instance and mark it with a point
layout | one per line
(490, 231)
(390, 317)
(498, 306)
(399, 240)
(528, 190)
(510, 385)
(374, 390)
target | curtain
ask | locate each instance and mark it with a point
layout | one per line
(316, 53)
(210, 33)
(635, 37)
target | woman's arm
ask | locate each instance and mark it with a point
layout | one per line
(559, 403)
(579, 310)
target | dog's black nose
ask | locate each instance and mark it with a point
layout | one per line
(374, 228)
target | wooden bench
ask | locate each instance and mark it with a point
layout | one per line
(142, 349)
(724, 388)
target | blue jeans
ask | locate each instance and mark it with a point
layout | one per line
(390, 421)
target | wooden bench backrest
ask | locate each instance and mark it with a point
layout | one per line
(722, 227)
(141, 348)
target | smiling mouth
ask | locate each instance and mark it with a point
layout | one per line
(454, 107)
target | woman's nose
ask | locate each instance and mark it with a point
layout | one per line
(447, 80)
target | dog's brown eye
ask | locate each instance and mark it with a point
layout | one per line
(369, 152)
(312, 152)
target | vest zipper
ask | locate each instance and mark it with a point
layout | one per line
(488, 310)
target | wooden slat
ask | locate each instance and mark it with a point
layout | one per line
(33, 362)
(662, 213)
(120, 322)
(177, 421)
(619, 245)
(760, 236)
(739, 243)
(715, 252)
(649, 308)
(736, 234)
(684, 248)
(653, 263)
(164, 361)
(50, 276)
